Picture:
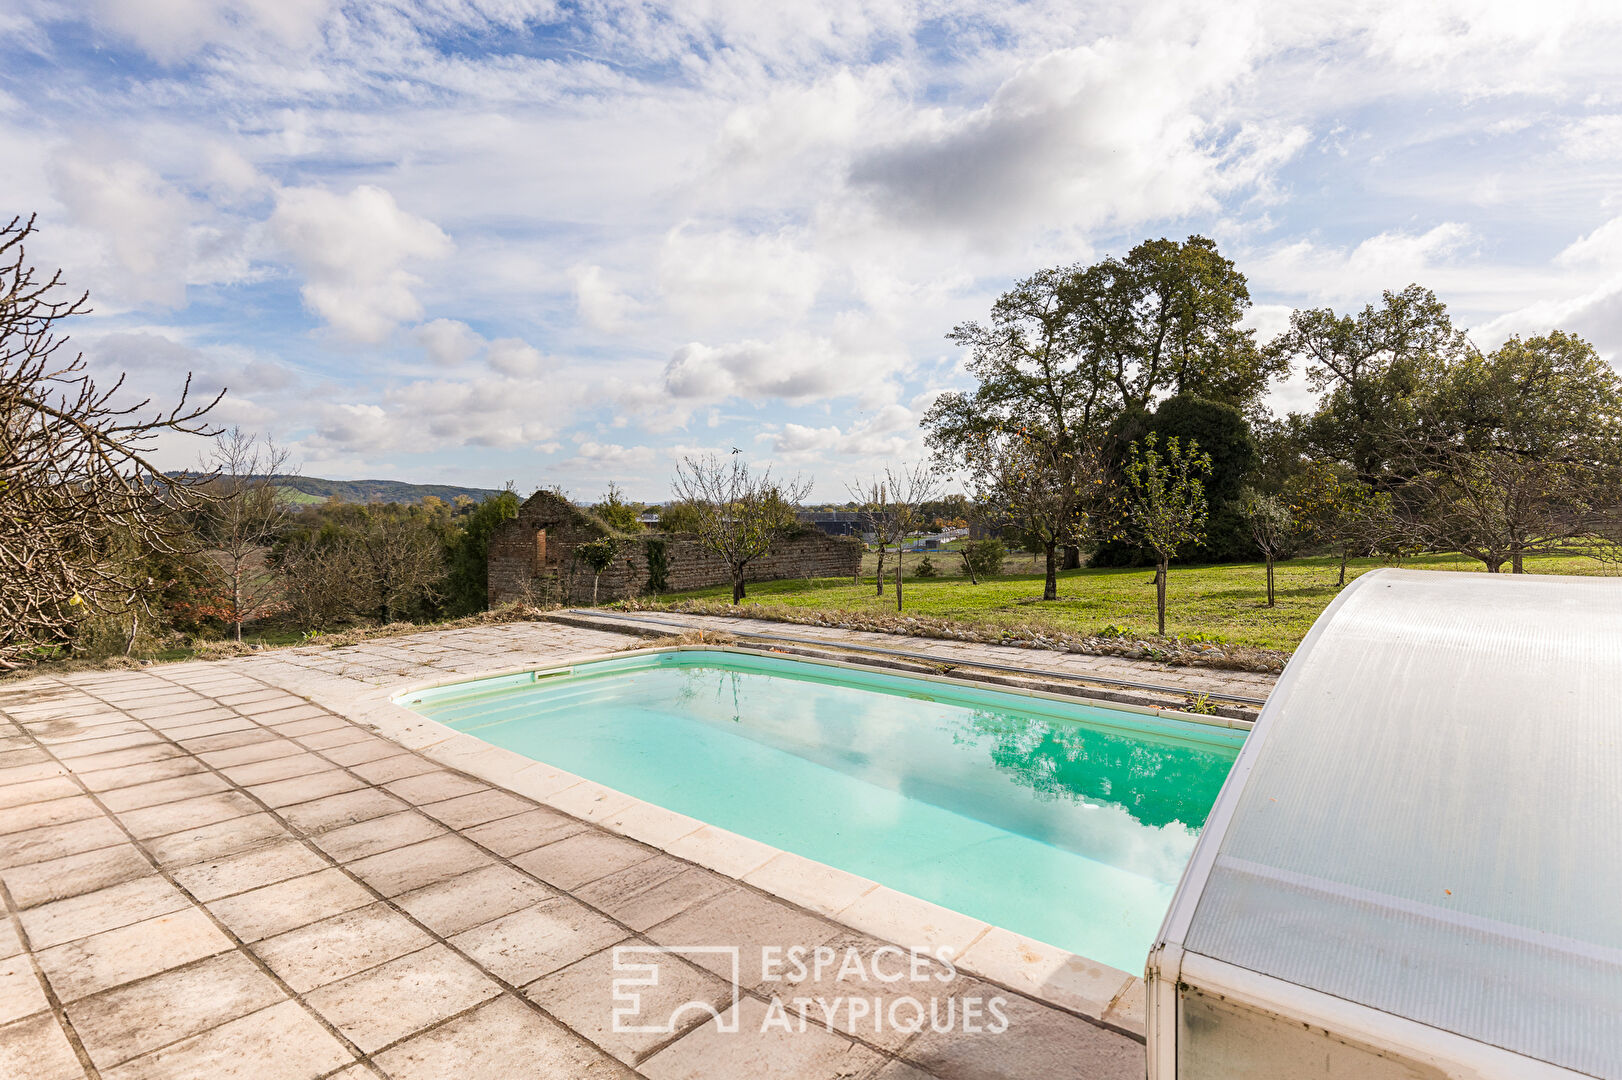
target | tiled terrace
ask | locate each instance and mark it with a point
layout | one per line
(207, 874)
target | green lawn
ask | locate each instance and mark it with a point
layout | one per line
(1228, 602)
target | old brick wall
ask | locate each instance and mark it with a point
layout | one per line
(523, 567)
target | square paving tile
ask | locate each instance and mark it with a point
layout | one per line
(538, 940)
(336, 811)
(38, 1049)
(651, 891)
(435, 787)
(239, 872)
(900, 992)
(1039, 1041)
(116, 1025)
(583, 857)
(416, 865)
(361, 751)
(379, 834)
(187, 814)
(55, 841)
(761, 1051)
(450, 907)
(582, 996)
(286, 905)
(282, 1042)
(306, 788)
(51, 812)
(466, 811)
(341, 946)
(52, 787)
(524, 832)
(213, 841)
(20, 992)
(115, 778)
(55, 879)
(403, 996)
(746, 920)
(109, 959)
(396, 767)
(275, 747)
(105, 909)
(282, 768)
(504, 1040)
(163, 791)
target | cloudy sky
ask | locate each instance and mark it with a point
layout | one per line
(472, 241)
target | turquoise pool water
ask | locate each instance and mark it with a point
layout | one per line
(1063, 822)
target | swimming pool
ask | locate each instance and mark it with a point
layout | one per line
(1065, 822)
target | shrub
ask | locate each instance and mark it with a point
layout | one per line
(925, 568)
(985, 556)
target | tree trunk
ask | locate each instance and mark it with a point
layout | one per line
(135, 624)
(594, 579)
(1515, 565)
(968, 567)
(1493, 565)
(236, 598)
(1072, 557)
(1160, 595)
(1344, 552)
(1269, 579)
(898, 579)
(1050, 588)
(879, 577)
(737, 585)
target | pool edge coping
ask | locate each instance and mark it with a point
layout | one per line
(1103, 994)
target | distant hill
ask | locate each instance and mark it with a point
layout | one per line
(312, 489)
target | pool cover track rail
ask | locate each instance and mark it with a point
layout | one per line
(1126, 684)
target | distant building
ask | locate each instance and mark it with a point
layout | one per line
(833, 522)
(533, 557)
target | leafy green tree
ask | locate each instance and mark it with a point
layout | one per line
(467, 586)
(1049, 495)
(679, 517)
(1518, 448)
(1166, 319)
(599, 555)
(1334, 508)
(619, 513)
(1164, 503)
(983, 558)
(1373, 370)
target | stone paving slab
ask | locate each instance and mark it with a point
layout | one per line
(207, 874)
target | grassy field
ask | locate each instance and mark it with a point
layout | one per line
(1227, 602)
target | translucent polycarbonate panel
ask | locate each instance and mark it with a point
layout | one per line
(1221, 1040)
(1431, 824)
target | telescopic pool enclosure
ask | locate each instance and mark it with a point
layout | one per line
(1415, 868)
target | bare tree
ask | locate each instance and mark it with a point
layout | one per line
(77, 482)
(318, 583)
(1272, 526)
(738, 513)
(398, 562)
(908, 489)
(872, 500)
(244, 517)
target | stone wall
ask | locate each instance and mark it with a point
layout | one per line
(533, 558)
